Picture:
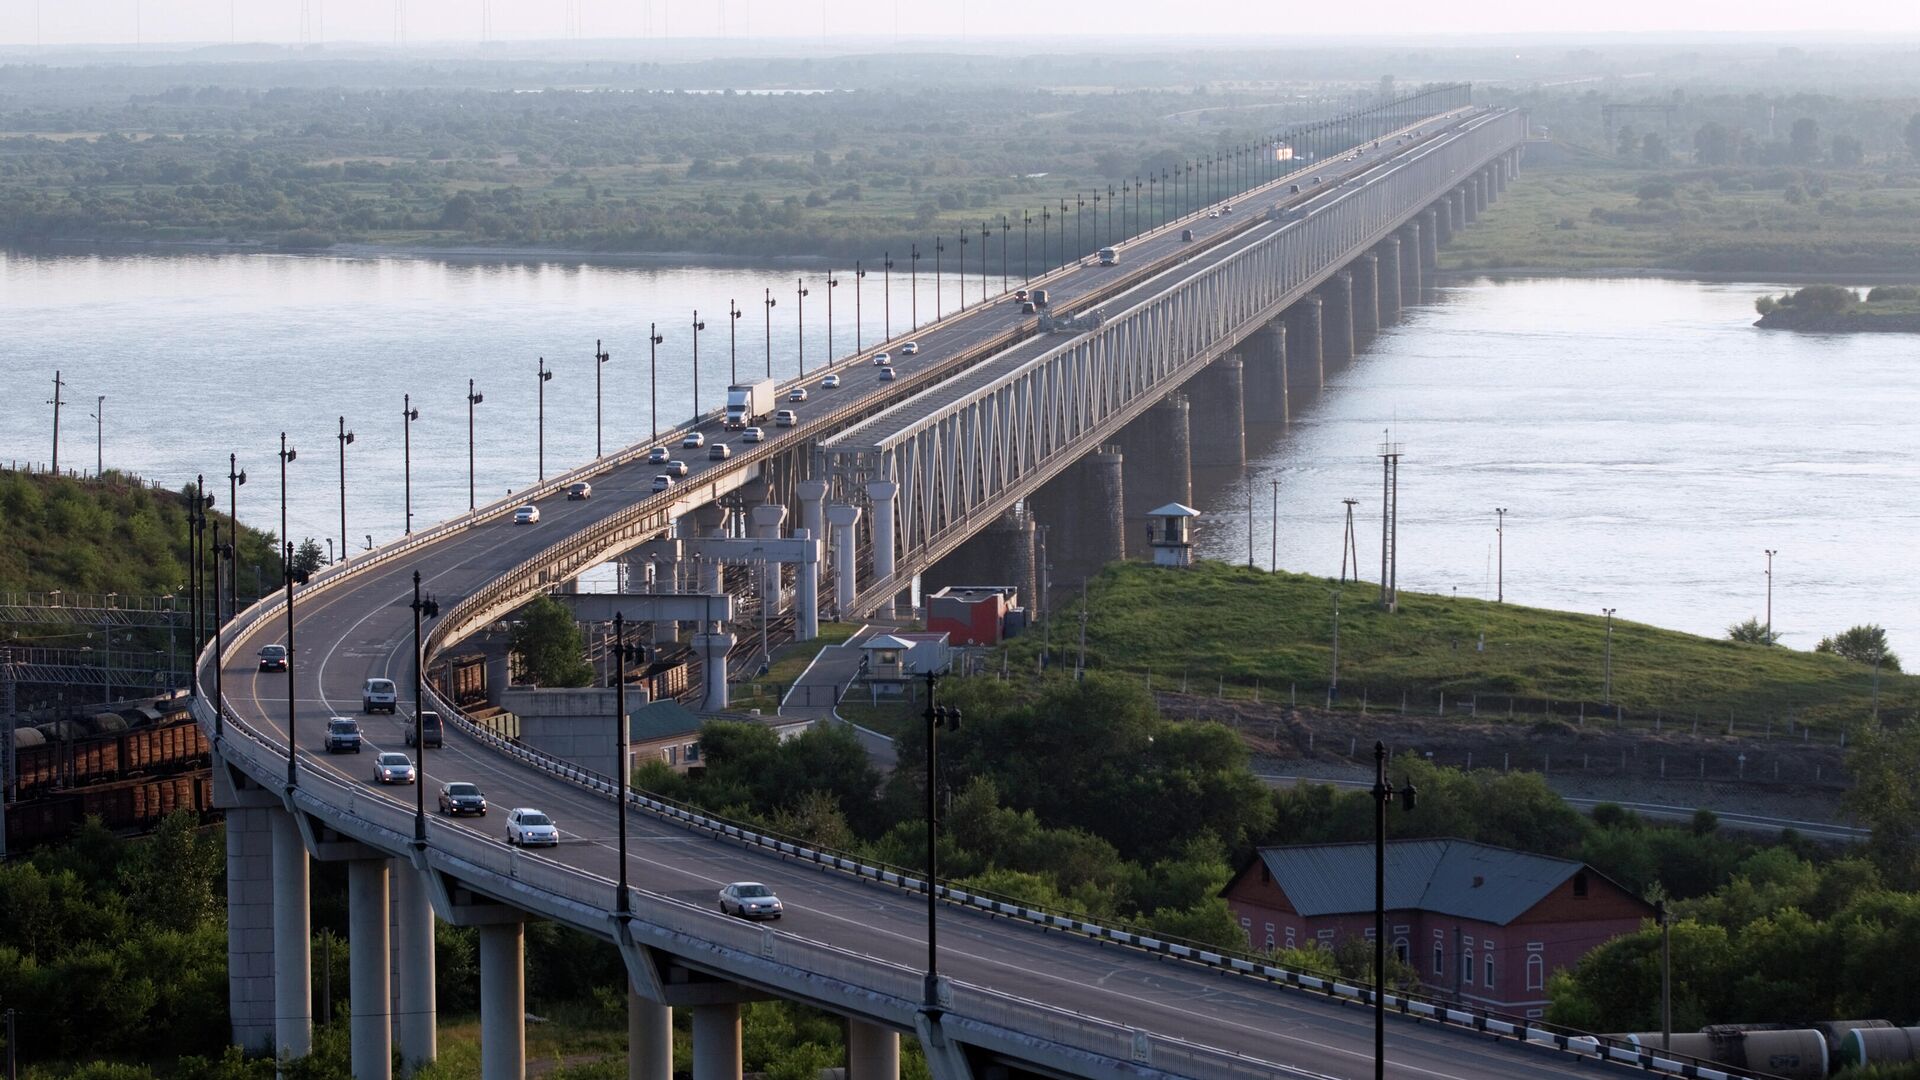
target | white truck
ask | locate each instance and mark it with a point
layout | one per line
(748, 402)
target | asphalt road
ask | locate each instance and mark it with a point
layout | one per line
(363, 628)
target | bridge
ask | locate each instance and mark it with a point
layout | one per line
(974, 427)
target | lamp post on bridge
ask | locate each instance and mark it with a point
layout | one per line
(622, 652)
(1383, 796)
(222, 558)
(697, 327)
(345, 439)
(1046, 229)
(1006, 228)
(859, 276)
(939, 247)
(540, 416)
(769, 303)
(1079, 210)
(1771, 552)
(1607, 664)
(800, 315)
(423, 608)
(1063, 232)
(1026, 230)
(937, 717)
(962, 273)
(913, 286)
(733, 342)
(236, 476)
(473, 398)
(408, 414)
(290, 574)
(832, 284)
(886, 296)
(654, 338)
(600, 357)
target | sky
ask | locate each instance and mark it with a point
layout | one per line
(52, 22)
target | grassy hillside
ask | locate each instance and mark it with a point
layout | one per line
(1227, 623)
(100, 536)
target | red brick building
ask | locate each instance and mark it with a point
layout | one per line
(1481, 924)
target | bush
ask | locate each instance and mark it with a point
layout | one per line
(1880, 293)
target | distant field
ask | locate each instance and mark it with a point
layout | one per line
(1221, 625)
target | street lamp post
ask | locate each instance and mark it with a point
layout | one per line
(1607, 665)
(236, 476)
(937, 716)
(408, 414)
(423, 608)
(913, 285)
(345, 439)
(222, 556)
(886, 296)
(1771, 552)
(859, 275)
(472, 400)
(939, 246)
(769, 302)
(1079, 210)
(100, 437)
(1500, 538)
(697, 327)
(540, 417)
(600, 357)
(961, 274)
(801, 292)
(1046, 230)
(986, 234)
(289, 572)
(1006, 230)
(1026, 232)
(654, 338)
(1383, 796)
(733, 342)
(832, 284)
(1665, 918)
(621, 734)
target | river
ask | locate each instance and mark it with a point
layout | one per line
(1648, 443)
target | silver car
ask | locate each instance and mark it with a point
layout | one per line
(393, 768)
(527, 826)
(750, 900)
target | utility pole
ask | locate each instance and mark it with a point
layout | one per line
(56, 401)
(1273, 546)
(1500, 537)
(1350, 543)
(345, 439)
(1383, 797)
(540, 418)
(100, 437)
(1389, 525)
(1607, 669)
(600, 357)
(1771, 552)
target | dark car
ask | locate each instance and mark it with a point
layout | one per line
(460, 797)
(273, 658)
(429, 730)
(343, 735)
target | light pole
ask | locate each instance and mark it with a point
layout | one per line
(540, 416)
(733, 342)
(236, 476)
(1046, 230)
(801, 293)
(769, 302)
(423, 608)
(832, 284)
(939, 246)
(1500, 540)
(345, 439)
(600, 357)
(886, 296)
(859, 276)
(1607, 668)
(472, 400)
(1026, 232)
(697, 327)
(408, 414)
(1079, 210)
(290, 573)
(913, 286)
(99, 437)
(621, 734)
(937, 716)
(56, 401)
(1771, 552)
(654, 339)
(1006, 231)
(961, 274)
(1383, 796)
(222, 556)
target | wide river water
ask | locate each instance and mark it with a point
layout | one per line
(1648, 443)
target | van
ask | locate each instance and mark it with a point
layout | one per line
(1108, 256)
(429, 729)
(1186, 236)
(1038, 296)
(378, 696)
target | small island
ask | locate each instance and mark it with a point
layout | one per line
(1837, 309)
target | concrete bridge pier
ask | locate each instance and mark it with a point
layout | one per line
(716, 1042)
(1366, 299)
(768, 518)
(292, 940)
(813, 506)
(369, 968)
(1263, 354)
(713, 644)
(1000, 554)
(1306, 359)
(1083, 511)
(1336, 319)
(1389, 252)
(1469, 209)
(1219, 397)
(416, 1006)
(1158, 450)
(1478, 193)
(649, 1038)
(713, 519)
(842, 518)
(1410, 276)
(880, 496)
(873, 1053)
(250, 925)
(1430, 241)
(1440, 219)
(806, 603)
(1500, 175)
(503, 1000)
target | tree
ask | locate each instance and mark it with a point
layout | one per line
(1627, 143)
(1714, 144)
(308, 558)
(548, 643)
(1753, 631)
(1803, 140)
(1847, 150)
(1653, 149)
(1864, 644)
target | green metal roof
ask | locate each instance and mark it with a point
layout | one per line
(663, 719)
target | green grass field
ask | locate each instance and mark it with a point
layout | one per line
(789, 661)
(1244, 628)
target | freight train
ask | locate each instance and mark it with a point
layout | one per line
(1794, 1052)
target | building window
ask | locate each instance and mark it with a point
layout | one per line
(1466, 967)
(1489, 968)
(1580, 884)
(693, 752)
(1439, 959)
(1289, 937)
(1535, 1014)
(1325, 935)
(1269, 939)
(1402, 951)
(1536, 972)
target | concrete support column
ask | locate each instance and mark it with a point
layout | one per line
(1430, 240)
(806, 603)
(1500, 175)
(649, 1039)
(813, 506)
(1083, 510)
(1264, 356)
(1410, 265)
(369, 956)
(1159, 463)
(1000, 554)
(1440, 218)
(1389, 251)
(1366, 299)
(250, 925)
(1469, 208)
(1306, 356)
(416, 1008)
(713, 645)
(1219, 396)
(873, 1053)
(880, 495)
(712, 520)
(842, 519)
(292, 940)
(1336, 319)
(768, 518)
(716, 1042)
(1479, 192)
(503, 1001)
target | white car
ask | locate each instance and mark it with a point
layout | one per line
(693, 441)
(663, 482)
(911, 348)
(886, 374)
(881, 359)
(719, 452)
(750, 900)
(579, 490)
(785, 418)
(658, 455)
(753, 434)
(676, 468)
(1213, 213)
(798, 393)
(393, 768)
(526, 515)
(831, 382)
(527, 826)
